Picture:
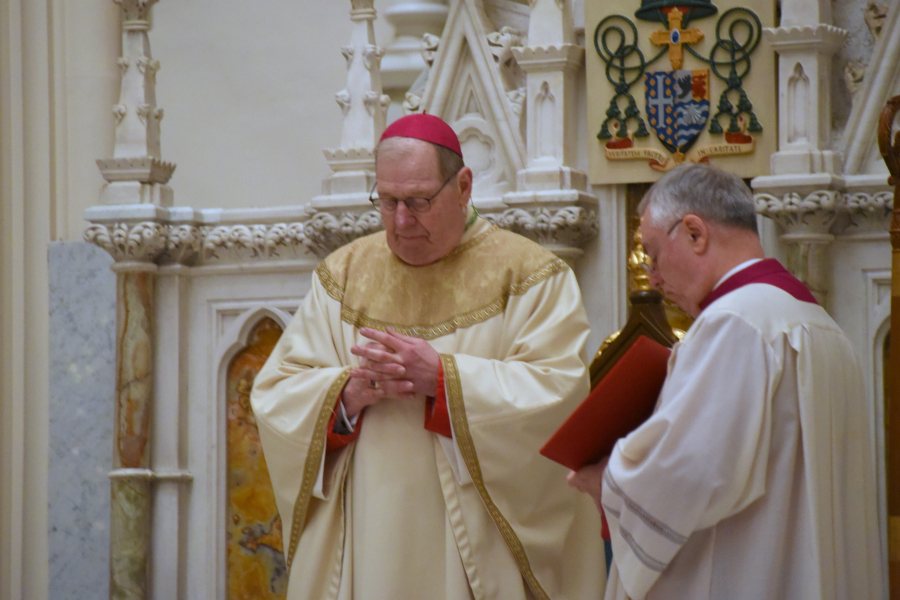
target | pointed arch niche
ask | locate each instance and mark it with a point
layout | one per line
(253, 534)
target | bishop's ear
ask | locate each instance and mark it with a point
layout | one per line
(698, 233)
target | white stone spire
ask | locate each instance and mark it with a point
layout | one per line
(365, 110)
(136, 174)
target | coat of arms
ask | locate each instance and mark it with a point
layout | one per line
(678, 105)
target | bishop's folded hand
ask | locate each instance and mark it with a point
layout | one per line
(417, 359)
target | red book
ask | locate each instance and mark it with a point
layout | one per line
(623, 399)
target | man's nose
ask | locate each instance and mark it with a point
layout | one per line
(404, 217)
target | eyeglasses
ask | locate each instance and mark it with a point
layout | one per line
(650, 267)
(416, 205)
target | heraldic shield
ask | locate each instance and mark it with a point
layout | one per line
(677, 106)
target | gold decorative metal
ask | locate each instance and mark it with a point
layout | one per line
(676, 37)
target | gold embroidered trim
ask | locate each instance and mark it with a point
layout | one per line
(430, 332)
(475, 240)
(426, 332)
(467, 450)
(328, 282)
(313, 462)
(554, 266)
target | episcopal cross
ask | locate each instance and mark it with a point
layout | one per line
(675, 37)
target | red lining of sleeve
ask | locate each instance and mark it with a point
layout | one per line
(336, 441)
(437, 415)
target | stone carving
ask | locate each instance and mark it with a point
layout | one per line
(347, 51)
(372, 56)
(501, 43)
(430, 44)
(810, 213)
(139, 242)
(868, 212)
(145, 169)
(571, 226)
(412, 104)
(135, 10)
(854, 74)
(143, 112)
(879, 204)
(325, 232)
(119, 111)
(235, 241)
(183, 244)
(146, 64)
(517, 99)
(798, 92)
(319, 234)
(343, 100)
(361, 5)
(373, 100)
(874, 14)
(243, 243)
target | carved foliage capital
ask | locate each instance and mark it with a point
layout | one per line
(326, 232)
(569, 227)
(811, 213)
(139, 242)
(868, 211)
(878, 204)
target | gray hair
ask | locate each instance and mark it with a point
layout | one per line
(711, 194)
(448, 161)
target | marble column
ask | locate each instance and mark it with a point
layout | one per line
(135, 247)
(131, 225)
(130, 504)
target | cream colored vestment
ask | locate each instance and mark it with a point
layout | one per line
(754, 478)
(403, 513)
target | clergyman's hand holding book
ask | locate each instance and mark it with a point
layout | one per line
(623, 399)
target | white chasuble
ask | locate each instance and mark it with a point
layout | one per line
(754, 478)
(403, 513)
